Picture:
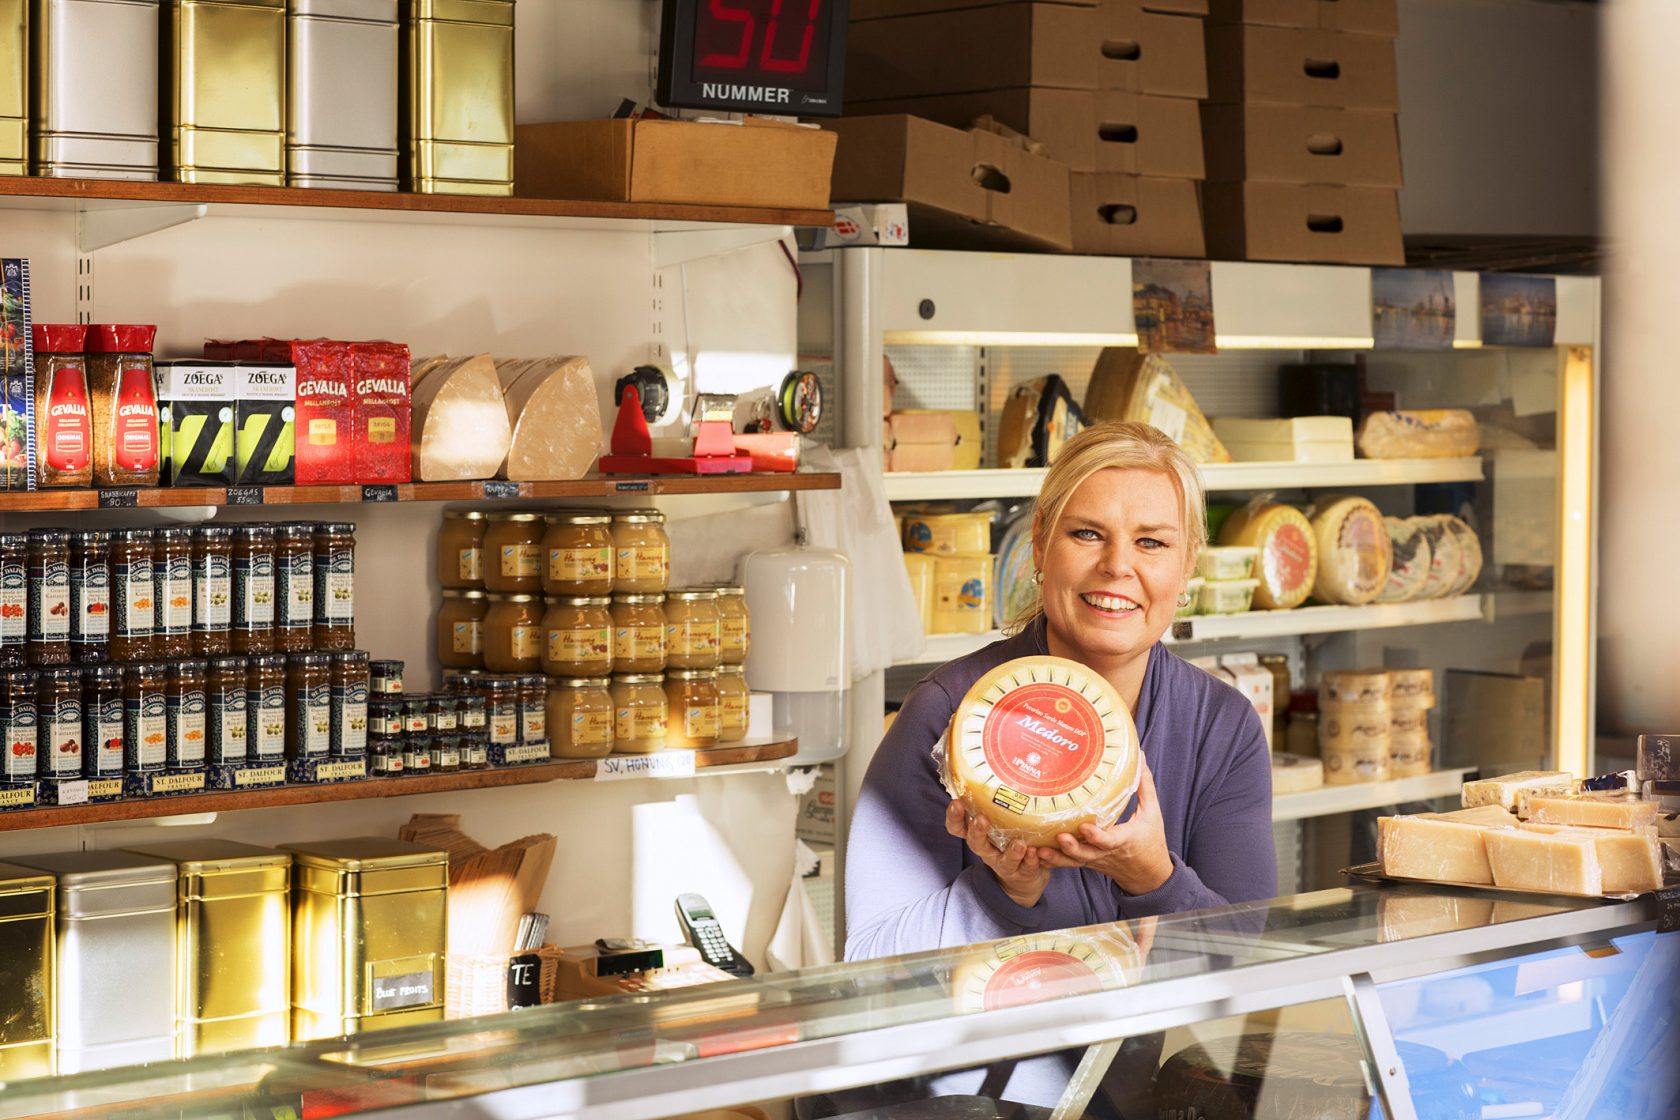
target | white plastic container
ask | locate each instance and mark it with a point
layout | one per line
(1232, 596)
(799, 600)
(1232, 562)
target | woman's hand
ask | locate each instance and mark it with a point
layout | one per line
(1133, 853)
(1020, 871)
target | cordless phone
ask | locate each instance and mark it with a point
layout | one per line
(703, 931)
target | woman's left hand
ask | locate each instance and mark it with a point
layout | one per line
(1133, 853)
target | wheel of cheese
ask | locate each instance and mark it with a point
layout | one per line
(1412, 687)
(1446, 556)
(1354, 555)
(1470, 548)
(1355, 686)
(1041, 745)
(1409, 572)
(1293, 773)
(1288, 558)
(1043, 966)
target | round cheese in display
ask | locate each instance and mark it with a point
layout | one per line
(1409, 571)
(1446, 556)
(1412, 687)
(1355, 686)
(1293, 773)
(1470, 549)
(1288, 557)
(1354, 729)
(1354, 555)
(1039, 746)
(1043, 966)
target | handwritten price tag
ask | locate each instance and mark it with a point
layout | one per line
(665, 764)
(244, 495)
(501, 488)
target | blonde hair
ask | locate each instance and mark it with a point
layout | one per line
(1123, 444)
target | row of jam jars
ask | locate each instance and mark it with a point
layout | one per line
(581, 553)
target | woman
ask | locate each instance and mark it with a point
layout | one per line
(1119, 522)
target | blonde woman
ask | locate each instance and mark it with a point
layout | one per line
(1116, 532)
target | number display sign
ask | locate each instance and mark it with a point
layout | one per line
(782, 57)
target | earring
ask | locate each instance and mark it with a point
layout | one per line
(1184, 599)
(1037, 578)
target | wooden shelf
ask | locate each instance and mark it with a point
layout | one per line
(220, 801)
(41, 501)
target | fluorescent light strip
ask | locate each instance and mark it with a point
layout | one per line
(1572, 647)
(1282, 342)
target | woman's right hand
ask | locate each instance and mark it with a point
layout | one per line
(1019, 871)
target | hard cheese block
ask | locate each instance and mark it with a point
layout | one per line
(1288, 558)
(555, 416)
(1563, 862)
(1039, 746)
(1443, 851)
(1502, 791)
(1486, 816)
(1631, 862)
(1442, 433)
(1613, 811)
(1354, 555)
(461, 428)
(1127, 385)
(1301, 439)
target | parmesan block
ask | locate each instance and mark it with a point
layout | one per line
(1442, 851)
(1402, 916)
(1614, 811)
(1039, 746)
(1288, 558)
(1502, 791)
(1488, 816)
(1293, 773)
(1441, 433)
(555, 418)
(1354, 555)
(1631, 862)
(1470, 555)
(1127, 385)
(1408, 574)
(460, 427)
(1041, 966)
(1563, 862)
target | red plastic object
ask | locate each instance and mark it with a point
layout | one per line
(632, 446)
(630, 430)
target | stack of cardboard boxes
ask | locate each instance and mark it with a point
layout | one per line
(1301, 132)
(1108, 90)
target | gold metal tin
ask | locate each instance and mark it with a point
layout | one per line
(232, 945)
(26, 973)
(457, 96)
(369, 932)
(225, 91)
(14, 87)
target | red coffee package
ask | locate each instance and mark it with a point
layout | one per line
(325, 420)
(379, 447)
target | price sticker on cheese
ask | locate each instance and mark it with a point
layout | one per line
(663, 764)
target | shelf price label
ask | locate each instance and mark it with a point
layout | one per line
(244, 495)
(631, 487)
(379, 493)
(501, 488)
(664, 764)
(1668, 908)
(127, 498)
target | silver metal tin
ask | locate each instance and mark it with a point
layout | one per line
(341, 94)
(116, 958)
(96, 89)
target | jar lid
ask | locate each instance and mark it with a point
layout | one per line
(63, 674)
(136, 534)
(733, 670)
(498, 684)
(121, 338)
(579, 600)
(464, 515)
(104, 673)
(731, 592)
(268, 661)
(146, 668)
(59, 338)
(255, 532)
(445, 698)
(639, 678)
(310, 659)
(495, 598)
(640, 517)
(213, 532)
(174, 533)
(386, 665)
(693, 595)
(235, 664)
(22, 678)
(643, 597)
(415, 699)
(593, 517)
(530, 679)
(189, 665)
(582, 682)
(49, 536)
(351, 657)
(692, 674)
(336, 528)
(91, 537)
(297, 530)
(453, 593)
(14, 540)
(521, 516)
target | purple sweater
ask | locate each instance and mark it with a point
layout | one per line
(911, 886)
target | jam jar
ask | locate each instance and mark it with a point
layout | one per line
(102, 721)
(691, 697)
(385, 718)
(578, 554)
(533, 708)
(416, 721)
(172, 591)
(513, 634)
(212, 568)
(145, 717)
(58, 714)
(513, 553)
(14, 600)
(253, 589)
(640, 713)
(335, 585)
(385, 678)
(577, 637)
(90, 596)
(416, 755)
(472, 715)
(265, 707)
(733, 696)
(474, 754)
(308, 705)
(641, 552)
(460, 550)
(131, 595)
(443, 713)
(580, 718)
(294, 586)
(446, 753)
(228, 723)
(460, 629)
(501, 709)
(692, 629)
(184, 705)
(734, 626)
(638, 633)
(19, 721)
(49, 599)
(349, 703)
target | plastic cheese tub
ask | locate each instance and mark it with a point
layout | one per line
(962, 595)
(1226, 596)
(920, 569)
(1231, 562)
(948, 534)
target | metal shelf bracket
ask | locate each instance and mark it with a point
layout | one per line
(99, 227)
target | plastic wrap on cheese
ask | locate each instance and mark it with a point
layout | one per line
(555, 416)
(1470, 555)
(1127, 385)
(1412, 687)
(1441, 851)
(1630, 862)
(1042, 966)
(1487, 816)
(1354, 555)
(1594, 810)
(1409, 571)
(1561, 862)
(1288, 560)
(1441, 433)
(1039, 746)
(460, 425)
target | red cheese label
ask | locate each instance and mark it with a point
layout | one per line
(134, 435)
(1036, 976)
(68, 442)
(1288, 560)
(1043, 740)
(380, 392)
(324, 413)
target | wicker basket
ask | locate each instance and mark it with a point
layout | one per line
(477, 985)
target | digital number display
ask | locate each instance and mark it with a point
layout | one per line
(781, 57)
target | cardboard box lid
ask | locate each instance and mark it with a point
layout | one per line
(1364, 17)
(1287, 66)
(996, 47)
(1288, 222)
(1148, 51)
(1292, 144)
(1136, 215)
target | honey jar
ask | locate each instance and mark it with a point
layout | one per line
(513, 634)
(513, 553)
(460, 629)
(641, 552)
(580, 718)
(734, 626)
(578, 637)
(460, 550)
(691, 698)
(692, 629)
(640, 714)
(733, 695)
(638, 633)
(578, 554)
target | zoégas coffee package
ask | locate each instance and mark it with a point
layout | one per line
(264, 415)
(379, 446)
(197, 397)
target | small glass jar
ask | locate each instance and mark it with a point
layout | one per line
(125, 410)
(20, 727)
(471, 713)
(335, 585)
(691, 697)
(384, 757)
(577, 637)
(145, 717)
(416, 721)
(228, 718)
(385, 678)
(734, 626)
(253, 589)
(641, 552)
(460, 629)
(638, 633)
(102, 721)
(443, 713)
(513, 553)
(533, 708)
(131, 595)
(1278, 665)
(578, 554)
(14, 599)
(212, 568)
(501, 710)
(416, 755)
(692, 629)
(446, 753)
(474, 754)
(58, 708)
(308, 705)
(294, 586)
(580, 718)
(186, 706)
(640, 713)
(513, 634)
(460, 550)
(49, 599)
(172, 591)
(385, 718)
(349, 703)
(90, 596)
(265, 706)
(733, 697)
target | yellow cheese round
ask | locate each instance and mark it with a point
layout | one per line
(1354, 555)
(1039, 746)
(1288, 552)
(1043, 966)
(1355, 686)
(1293, 773)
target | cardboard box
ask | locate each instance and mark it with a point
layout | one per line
(1286, 222)
(818, 820)
(1089, 130)
(1286, 66)
(961, 189)
(885, 224)
(1146, 50)
(1136, 216)
(1255, 683)
(1363, 17)
(264, 414)
(752, 162)
(1289, 144)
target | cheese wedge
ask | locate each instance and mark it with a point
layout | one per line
(1502, 791)
(1631, 862)
(1613, 811)
(1354, 554)
(1128, 385)
(460, 428)
(1442, 851)
(1288, 559)
(1561, 862)
(555, 417)
(1039, 746)
(1487, 816)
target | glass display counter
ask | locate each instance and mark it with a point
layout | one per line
(1393, 1001)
